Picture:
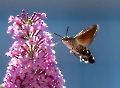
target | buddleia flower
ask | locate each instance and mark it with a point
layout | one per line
(33, 63)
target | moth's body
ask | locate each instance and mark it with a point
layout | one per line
(78, 44)
(78, 49)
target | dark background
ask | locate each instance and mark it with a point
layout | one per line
(78, 15)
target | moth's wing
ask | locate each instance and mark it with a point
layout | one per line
(85, 37)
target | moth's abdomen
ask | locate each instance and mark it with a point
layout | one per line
(91, 59)
(86, 55)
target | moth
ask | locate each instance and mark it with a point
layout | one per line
(78, 44)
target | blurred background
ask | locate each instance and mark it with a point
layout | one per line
(78, 15)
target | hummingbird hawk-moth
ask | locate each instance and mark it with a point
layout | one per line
(78, 44)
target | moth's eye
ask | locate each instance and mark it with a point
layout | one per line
(65, 38)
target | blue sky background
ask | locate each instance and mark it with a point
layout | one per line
(78, 15)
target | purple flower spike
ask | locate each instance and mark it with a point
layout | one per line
(33, 62)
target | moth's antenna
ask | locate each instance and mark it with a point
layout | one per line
(67, 30)
(58, 35)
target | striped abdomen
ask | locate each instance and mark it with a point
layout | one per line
(85, 54)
